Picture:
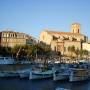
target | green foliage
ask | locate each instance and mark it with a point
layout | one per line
(79, 52)
(83, 53)
(28, 51)
(5, 51)
(71, 49)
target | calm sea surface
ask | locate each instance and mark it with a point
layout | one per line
(25, 84)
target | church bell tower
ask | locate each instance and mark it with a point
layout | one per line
(75, 28)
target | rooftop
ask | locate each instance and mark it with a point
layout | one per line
(57, 32)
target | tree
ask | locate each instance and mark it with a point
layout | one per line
(5, 51)
(30, 51)
(81, 53)
(77, 51)
(71, 49)
(47, 50)
(14, 50)
(85, 53)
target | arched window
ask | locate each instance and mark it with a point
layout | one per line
(13, 35)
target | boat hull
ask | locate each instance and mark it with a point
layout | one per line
(60, 77)
(40, 75)
(78, 75)
(77, 78)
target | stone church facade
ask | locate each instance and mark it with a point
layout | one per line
(60, 41)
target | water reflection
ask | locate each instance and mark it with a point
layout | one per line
(24, 84)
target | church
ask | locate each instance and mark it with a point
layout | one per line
(60, 41)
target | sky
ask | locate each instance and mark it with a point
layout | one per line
(33, 16)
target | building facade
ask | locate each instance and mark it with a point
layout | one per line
(60, 41)
(86, 46)
(11, 38)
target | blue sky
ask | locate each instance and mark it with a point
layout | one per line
(32, 16)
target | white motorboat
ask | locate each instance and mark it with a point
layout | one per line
(8, 74)
(78, 74)
(6, 60)
(39, 74)
(24, 73)
(61, 74)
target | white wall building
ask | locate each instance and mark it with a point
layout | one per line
(86, 46)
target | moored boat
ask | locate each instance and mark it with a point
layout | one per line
(6, 60)
(8, 74)
(24, 73)
(39, 74)
(61, 74)
(78, 74)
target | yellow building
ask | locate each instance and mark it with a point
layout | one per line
(86, 46)
(75, 28)
(60, 41)
(11, 38)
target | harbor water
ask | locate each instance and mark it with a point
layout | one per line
(25, 84)
(16, 83)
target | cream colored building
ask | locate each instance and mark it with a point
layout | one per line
(60, 41)
(75, 28)
(11, 38)
(86, 46)
(76, 44)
